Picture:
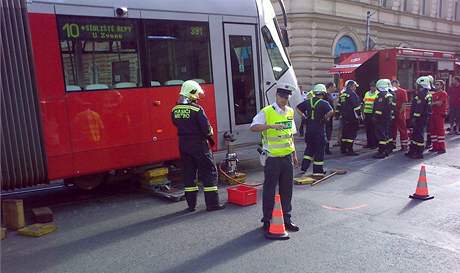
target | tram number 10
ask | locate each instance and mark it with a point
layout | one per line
(72, 30)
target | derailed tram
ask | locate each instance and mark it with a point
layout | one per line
(104, 76)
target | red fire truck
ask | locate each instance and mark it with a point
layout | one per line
(106, 75)
(404, 64)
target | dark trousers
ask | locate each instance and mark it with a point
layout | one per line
(381, 132)
(349, 133)
(417, 144)
(203, 163)
(329, 127)
(303, 124)
(277, 171)
(370, 131)
(314, 151)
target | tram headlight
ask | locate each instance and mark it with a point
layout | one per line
(121, 11)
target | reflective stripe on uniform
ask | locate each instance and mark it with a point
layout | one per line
(418, 143)
(417, 115)
(276, 138)
(279, 146)
(189, 189)
(207, 189)
(378, 112)
(307, 157)
(383, 142)
(347, 140)
(357, 108)
(183, 106)
(319, 163)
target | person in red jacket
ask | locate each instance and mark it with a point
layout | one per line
(439, 113)
(400, 116)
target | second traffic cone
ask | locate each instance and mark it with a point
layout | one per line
(277, 230)
(421, 192)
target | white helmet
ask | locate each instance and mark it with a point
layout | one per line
(191, 89)
(319, 89)
(425, 81)
(383, 85)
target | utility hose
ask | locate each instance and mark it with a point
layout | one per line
(233, 179)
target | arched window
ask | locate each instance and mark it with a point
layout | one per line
(344, 45)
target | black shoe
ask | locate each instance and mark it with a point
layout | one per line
(216, 207)
(291, 227)
(189, 209)
(266, 226)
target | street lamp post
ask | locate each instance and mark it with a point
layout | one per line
(368, 31)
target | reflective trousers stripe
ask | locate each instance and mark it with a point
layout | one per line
(307, 157)
(347, 140)
(318, 163)
(418, 143)
(190, 189)
(206, 189)
(382, 142)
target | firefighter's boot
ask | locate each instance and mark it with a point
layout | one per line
(191, 200)
(212, 201)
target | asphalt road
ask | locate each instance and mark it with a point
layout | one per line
(359, 222)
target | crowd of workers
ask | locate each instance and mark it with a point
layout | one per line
(382, 111)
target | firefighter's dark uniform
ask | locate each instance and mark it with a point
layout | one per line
(382, 120)
(195, 133)
(420, 113)
(391, 145)
(315, 109)
(349, 107)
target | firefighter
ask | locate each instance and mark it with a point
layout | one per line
(391, 145)
(331, 89)
(420, 113)
(400, 116)
(276, 124)
(369, 99)
(381, 115)
(349, 107)
(318, 112)
(439, 109)
(195, 138)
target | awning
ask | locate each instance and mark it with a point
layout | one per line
(353, 61)
(457, 63)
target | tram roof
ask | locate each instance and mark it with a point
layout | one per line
(222, 7)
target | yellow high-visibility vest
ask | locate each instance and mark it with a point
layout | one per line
(369, 102)
(278, 142)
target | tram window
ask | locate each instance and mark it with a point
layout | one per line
(278, 65)
(99, 53)
(176, 51)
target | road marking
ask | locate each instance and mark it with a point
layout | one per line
(344, 209)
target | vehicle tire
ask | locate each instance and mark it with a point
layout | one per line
(86, 182)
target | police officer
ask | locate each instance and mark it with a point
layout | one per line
(350, 111)
(195, 136)
(420, 113)
(369, 99)
(381, 116)
(276, 123)
(317, 111)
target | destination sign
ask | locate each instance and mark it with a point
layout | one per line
(100, 29)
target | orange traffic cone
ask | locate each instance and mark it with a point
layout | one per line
(421, 192)
(277, 231)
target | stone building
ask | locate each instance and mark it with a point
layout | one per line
(320, 30)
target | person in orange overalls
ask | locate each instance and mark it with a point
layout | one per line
(439, 113)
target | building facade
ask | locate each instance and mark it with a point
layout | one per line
(320, 30)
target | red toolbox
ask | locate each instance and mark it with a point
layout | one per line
(242, 195)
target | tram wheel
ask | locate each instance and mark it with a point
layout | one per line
(87, 182)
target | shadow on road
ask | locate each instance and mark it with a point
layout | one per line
(226, 252)
(410, 205)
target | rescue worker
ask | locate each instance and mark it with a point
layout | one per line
(420, 113)
(381, 115)
(369, 99)
(276, 124)
(439, 113)
(400, 116)
(331, 98)
(318, 112)
(195, 136)
(391, 145)
(349, 107)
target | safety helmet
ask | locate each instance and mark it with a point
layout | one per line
(425, 81)
(349, 83)
(383, 85)
(319, 89)
(191, 89)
